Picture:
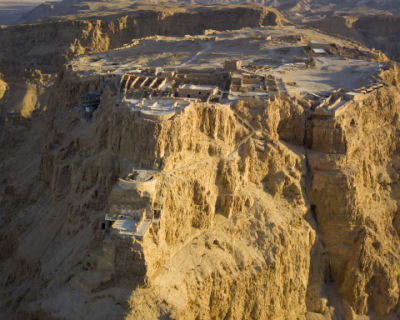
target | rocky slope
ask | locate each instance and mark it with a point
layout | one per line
(270, 211)
(355, 200)
(224, 209)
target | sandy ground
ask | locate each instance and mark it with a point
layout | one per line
(250, 46)
(331, 74)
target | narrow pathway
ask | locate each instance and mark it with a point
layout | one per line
(195, 57)
(281, 86)
(244, 120)
(242, 142)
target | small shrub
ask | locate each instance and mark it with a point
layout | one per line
(313, 63)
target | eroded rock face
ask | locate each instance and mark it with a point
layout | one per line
(265, 208)
(171, 143)
(356, 202)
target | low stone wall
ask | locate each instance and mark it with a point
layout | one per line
(153, 115)
(149, 185)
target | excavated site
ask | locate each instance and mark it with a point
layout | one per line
(209, 174)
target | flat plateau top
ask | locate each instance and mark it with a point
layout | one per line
(273, 47)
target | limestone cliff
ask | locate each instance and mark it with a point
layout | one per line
(227, 222)
(355, 199)
(270, 210)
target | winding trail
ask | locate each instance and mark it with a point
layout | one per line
(195, 57)
(253, 131)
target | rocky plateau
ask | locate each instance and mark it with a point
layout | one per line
(271, 208)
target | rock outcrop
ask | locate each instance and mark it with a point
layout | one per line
(355, 201)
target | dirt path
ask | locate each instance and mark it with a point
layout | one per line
(195, 57)
(281, 85)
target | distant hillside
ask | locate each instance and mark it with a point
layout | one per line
(379, 31)
(11, 11)
(302, 11)
(46, 46)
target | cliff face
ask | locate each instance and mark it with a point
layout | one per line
(46, 46)
(233, 239)
(343, 26)
(270, 211)
(227, 224)
(356, 203)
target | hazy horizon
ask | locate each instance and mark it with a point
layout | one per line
(11, 11)
(33, 2)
